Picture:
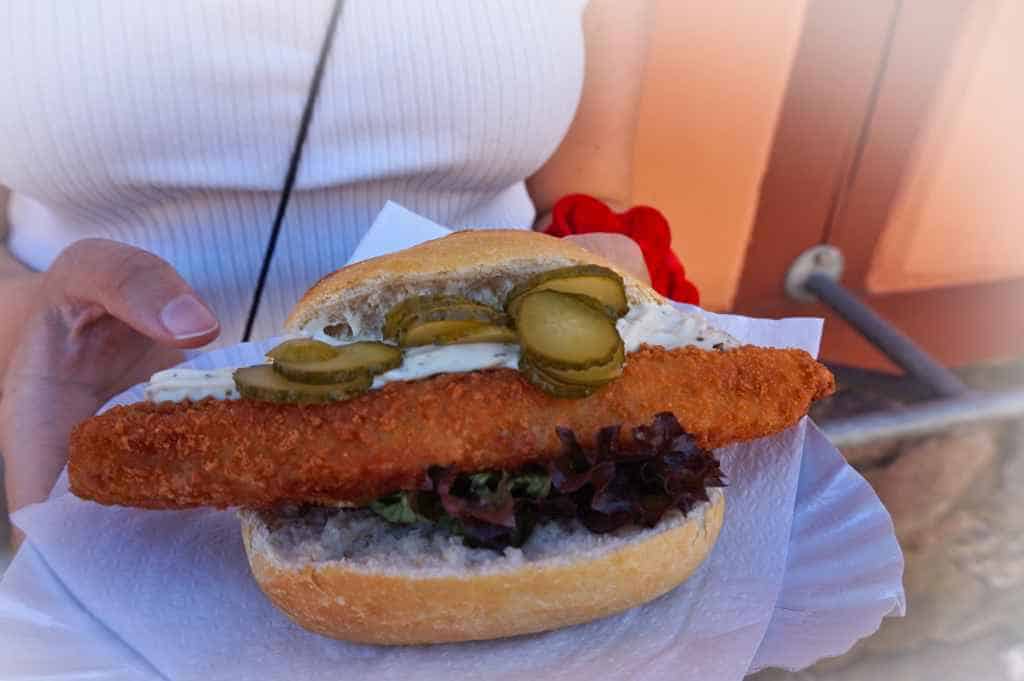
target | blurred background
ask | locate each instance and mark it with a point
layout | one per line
(892, 130)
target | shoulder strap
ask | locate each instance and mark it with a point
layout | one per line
(293, 165)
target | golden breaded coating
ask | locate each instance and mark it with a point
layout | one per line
(256, 454)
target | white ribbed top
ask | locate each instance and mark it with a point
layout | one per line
(168, 125)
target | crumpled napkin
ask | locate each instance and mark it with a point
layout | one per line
(806, 564)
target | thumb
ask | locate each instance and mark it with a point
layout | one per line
(134, 286)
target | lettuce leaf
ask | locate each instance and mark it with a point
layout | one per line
(605, 487)
(396, 508)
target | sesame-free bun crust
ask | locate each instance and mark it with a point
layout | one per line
(482, 264)
(405, 608)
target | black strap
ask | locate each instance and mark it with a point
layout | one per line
(293, 165)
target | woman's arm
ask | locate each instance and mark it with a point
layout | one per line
(18, 289)
(596, 156)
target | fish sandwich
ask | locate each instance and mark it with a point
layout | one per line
(490, 434)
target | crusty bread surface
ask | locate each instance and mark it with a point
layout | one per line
(407, 607)
(482, 264)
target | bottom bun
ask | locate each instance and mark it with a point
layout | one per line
(350, 575)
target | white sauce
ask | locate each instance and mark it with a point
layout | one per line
(175, 385)
(649, 324)
(668, 327)
(450, 359)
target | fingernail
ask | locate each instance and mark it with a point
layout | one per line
(185, 317)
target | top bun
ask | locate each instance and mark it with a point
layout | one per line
(480, 264)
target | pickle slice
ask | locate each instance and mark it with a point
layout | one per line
(262, 383)
(484, 333)
(443, 332)
(564, 331)
(363, 357)
(426, 320)
(595, 376)
(472, 312)
(551, 385)
(302, 350)
(599, 283)
(394, 320)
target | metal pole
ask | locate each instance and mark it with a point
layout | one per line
(896, 346)
(923, 418)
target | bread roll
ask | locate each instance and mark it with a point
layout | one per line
(481, 264)
(351, 575)
(396, 590)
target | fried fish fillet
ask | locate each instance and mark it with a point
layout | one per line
(257, 454)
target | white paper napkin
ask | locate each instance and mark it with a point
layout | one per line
(395, 228)
(169, 594)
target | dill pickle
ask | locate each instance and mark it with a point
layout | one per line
(594, 376)
(447, 332)
(427, 320)
(474, 312)
(565, 331)
(594, 281)
(423, 309)
(393, 321)
(302, 350)
(484, 333)
(348, 362)
(551, 385)
(262, 383)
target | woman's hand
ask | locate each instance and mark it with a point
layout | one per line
(104, 317)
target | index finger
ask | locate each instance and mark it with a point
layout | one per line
(134, 286)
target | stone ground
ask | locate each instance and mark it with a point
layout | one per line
(957, 500)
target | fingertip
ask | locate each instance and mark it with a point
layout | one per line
(189, 322)
(197, 340)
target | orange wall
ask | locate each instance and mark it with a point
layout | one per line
(958, 217)
(716, 78)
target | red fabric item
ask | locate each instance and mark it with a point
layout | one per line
(582, 214)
